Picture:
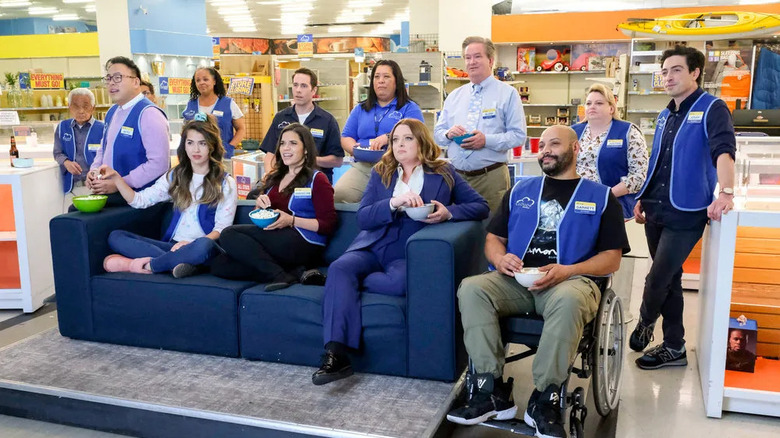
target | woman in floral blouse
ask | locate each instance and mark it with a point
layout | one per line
(612, 152)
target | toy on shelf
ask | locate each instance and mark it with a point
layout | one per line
(555, 61)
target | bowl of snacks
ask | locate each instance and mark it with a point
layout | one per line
(367, 155)
(527, 276)
(90, 203)
(263, 217)
(419, 213)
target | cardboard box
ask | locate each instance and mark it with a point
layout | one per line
(741, 344)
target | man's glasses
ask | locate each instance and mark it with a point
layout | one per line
(146, 93)
(116, 78)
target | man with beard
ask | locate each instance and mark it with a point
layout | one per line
(567, 227)
(738, 357)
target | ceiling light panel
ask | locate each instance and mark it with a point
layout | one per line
(42, 10)
(14, 4)
(65, 17)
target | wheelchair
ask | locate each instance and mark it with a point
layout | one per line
(600, 355)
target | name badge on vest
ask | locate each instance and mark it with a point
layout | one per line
(217, 113)
(93, 147)
(126, 131)
(317, 133)
(695, 116)
(489, 113)
(302, 193)
(583, 207)
(618, 143)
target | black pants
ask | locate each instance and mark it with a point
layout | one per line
(264, 256)
(669, 247)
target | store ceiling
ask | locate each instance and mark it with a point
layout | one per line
(271, 18)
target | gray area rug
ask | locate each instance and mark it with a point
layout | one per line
(368, 404)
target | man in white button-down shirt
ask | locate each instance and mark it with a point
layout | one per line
(493, 113)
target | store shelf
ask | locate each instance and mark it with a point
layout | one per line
(647, 53)
(643, 111)
(640, 72)
(316, 99)
(646, 93)
(547, 104)
(47, 108)
(7, 236)
(570, 72)
(454, 78)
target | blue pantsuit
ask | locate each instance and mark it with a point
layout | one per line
(375, 262)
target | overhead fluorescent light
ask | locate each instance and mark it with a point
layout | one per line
(15, 4)
(244, 29)
(78, 1)
(90, 8)
(364, 3)
(297, 7)
(227, 2)
(42, 11)
(339, 29)
(65, 17)
(271, 3)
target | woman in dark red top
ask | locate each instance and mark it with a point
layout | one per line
(303, 197)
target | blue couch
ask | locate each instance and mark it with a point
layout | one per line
(416, 336)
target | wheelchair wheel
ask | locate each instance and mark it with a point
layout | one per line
(608, 354)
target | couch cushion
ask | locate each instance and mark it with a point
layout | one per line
(196, 314)
(286, 326)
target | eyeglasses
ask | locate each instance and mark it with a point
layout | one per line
(116, 78)
(146, 93)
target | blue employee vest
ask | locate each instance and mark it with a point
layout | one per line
(206, 217)
(68, 142)
(612, 160)
(129, 151)
(693, 177)
(302, 205)
(578, 229)
(224, 118)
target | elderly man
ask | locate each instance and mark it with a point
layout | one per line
(136, 140)
(569, 228)
(489, 110)
(76, 141)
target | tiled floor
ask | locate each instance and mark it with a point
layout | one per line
(665, 403)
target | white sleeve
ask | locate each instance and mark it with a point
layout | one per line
(152, 195)
(237, 114)
(226, 210)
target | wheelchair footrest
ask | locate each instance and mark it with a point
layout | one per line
(515, 426)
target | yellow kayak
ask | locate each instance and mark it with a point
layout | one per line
(703, 26)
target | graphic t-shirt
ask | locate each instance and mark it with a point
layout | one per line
(542, 250)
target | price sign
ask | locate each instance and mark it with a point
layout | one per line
(241, 85)
(47, 80)
(179, 85)
(305, 46)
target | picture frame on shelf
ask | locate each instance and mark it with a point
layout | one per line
(534, 119)
(550, 121)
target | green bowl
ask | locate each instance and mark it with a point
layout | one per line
(90, 203)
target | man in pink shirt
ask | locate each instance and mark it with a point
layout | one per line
(136, 140)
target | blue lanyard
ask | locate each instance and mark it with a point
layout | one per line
(377, 122)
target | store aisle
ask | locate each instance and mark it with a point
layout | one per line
(654, 404)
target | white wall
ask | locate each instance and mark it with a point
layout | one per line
(459, 19)
(423, 16)
(113, 29)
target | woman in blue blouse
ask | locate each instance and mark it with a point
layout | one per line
(370, 122)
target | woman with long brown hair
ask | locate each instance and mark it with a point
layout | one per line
(303, 198)
(204, 203)
(409, 175)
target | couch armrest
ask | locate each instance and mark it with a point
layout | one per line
(438, 257)
(79, 243)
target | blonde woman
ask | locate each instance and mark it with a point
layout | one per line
(408, 175)
(204, 199)
(612, 152)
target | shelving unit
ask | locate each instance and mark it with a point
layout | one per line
(429, 95)
(333, 84)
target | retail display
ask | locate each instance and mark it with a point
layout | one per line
(696, 26)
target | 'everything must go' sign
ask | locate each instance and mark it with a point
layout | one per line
(47, 80)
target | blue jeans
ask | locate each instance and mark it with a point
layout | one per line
(663, 295)
(197, 252)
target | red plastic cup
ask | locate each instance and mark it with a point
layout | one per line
(517, 152)
(534, 145)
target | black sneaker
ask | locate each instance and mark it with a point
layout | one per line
(662, 356)
(334, 367)
(184, 270)
(491, 399)
(544, 413)
(641, 336)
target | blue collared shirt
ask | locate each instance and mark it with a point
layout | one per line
(80, 139)
(655, 201)
(364, 126)
(502, 120)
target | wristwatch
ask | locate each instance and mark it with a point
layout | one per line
(727, 191)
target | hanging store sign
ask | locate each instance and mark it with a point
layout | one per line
(47, 80)
(241, 85)
(305, 46)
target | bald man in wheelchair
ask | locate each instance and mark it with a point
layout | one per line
(568, 228)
